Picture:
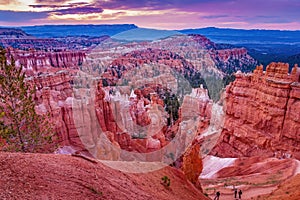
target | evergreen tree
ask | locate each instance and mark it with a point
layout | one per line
(2, 127)
(22, 129)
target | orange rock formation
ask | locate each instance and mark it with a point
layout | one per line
(262, 114)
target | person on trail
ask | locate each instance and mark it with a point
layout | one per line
(217, 196)
(240, 194)
(235, 193)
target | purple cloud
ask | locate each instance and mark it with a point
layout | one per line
(215, 16)
(51, 1)
(287, 11)
(69, 5)
(140, 4)
(49, 6)
(71, 8)
(191, 13)
(79, 10)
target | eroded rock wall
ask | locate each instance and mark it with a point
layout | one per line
(37, 61)
(262, 114)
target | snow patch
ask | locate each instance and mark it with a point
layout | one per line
(213, 164)
(65, 150)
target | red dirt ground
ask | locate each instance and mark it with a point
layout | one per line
(288, 190)
(50, 176)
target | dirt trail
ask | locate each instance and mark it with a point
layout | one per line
(255, 176)
(248, 194)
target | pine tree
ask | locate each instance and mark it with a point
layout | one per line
(22, 129)
(2, 127)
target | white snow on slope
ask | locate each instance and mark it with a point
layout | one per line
(212, 164)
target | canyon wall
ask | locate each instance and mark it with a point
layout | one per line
(39, 61)
(82, 116)
(232, 60)
(54, 95)
(262, 114)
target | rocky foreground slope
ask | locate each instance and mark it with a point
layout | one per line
(41, 176)
(262, 114)
(286, 190)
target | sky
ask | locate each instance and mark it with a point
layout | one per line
(160, 14)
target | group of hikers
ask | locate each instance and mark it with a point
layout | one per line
(236, 193)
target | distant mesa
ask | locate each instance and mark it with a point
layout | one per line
(53, 31)
(142, 34)
(11, 33)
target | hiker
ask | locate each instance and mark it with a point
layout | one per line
(235, 193)
(240, 194)
(217, 196)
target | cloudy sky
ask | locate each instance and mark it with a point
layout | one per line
(163, 14)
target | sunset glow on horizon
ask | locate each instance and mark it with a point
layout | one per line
(164, 14)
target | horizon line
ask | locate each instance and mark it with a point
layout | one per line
(112, 24)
